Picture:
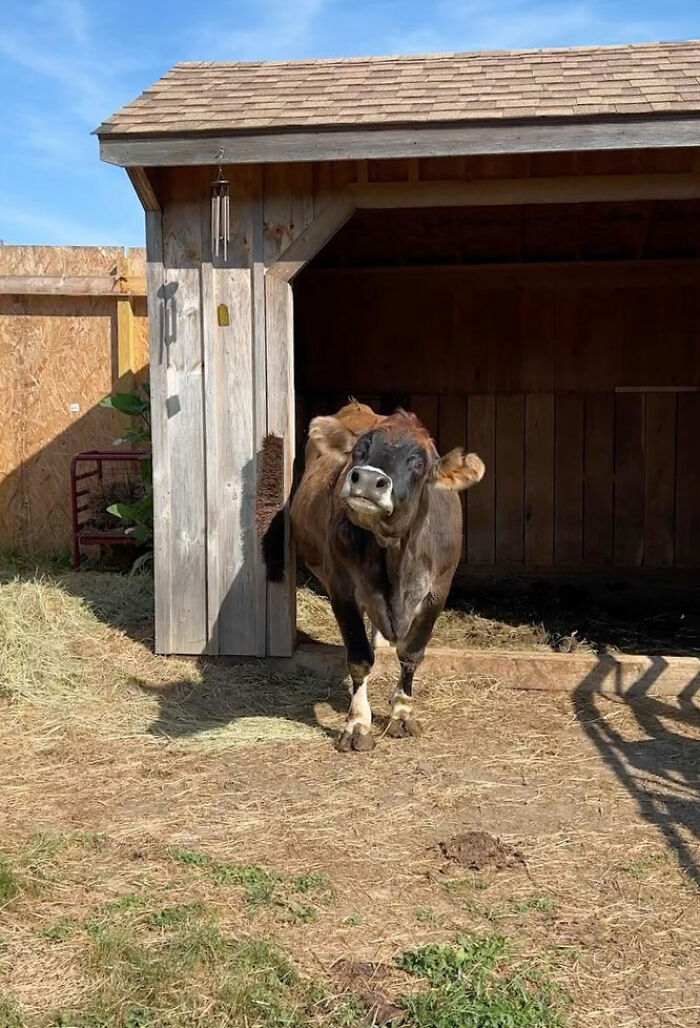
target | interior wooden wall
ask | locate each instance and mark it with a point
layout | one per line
(56, 351)
(550, 373)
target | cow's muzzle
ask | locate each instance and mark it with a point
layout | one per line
(368, 493)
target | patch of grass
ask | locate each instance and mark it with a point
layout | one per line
(190, 974)
(542, 904)
(10, 1016)
(190, 857)
(303, 912)
(60, 930)
(38, 859)
(639, 868)
(311, 881)
(260, 884)
(468, 987)
(426, 915)
(9, 887)
(123, 905)
(170, 917)
(355, 920)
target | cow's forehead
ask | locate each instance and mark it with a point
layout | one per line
(403, 428)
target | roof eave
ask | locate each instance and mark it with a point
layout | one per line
(371, 141)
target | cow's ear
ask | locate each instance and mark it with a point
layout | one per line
(458, 470)
(330, 438)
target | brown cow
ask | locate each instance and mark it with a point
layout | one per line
(377, 519)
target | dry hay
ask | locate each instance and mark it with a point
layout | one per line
(454, 628)
(600, 798)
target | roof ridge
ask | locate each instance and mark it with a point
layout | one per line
(446, 54)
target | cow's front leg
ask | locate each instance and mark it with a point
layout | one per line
(357, 731)
(410, 652)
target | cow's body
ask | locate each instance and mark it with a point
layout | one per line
(377, 519)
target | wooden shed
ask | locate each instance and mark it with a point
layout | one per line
(507, 242)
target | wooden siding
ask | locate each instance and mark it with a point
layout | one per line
(554, 373)
(597, 480)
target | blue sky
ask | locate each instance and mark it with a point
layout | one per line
(65, 65)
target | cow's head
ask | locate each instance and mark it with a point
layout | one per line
(388, 468)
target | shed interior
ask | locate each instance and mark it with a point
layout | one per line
(559, 341)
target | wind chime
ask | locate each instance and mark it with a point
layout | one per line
(220, 224)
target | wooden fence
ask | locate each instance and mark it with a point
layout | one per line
(73, 328)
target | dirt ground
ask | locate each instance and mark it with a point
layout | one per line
(125, 756)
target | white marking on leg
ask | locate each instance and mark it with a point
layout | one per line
(360, 712)
(401, 704)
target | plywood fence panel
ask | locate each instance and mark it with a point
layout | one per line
(59, 356)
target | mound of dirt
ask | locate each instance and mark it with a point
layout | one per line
(362, 978)
(479, 850)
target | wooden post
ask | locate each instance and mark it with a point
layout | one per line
(292, 236)
(174, 255)
(234, 362)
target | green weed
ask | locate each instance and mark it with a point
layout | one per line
(59, 931)
(10, 1016)
(466, 989)
(9, 886)
(542, 904)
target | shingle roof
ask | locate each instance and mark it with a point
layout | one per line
(642, 78)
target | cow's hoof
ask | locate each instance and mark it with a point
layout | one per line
(400, 729)
(363, 742)
(358, 740)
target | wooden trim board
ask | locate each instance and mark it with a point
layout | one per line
(541, 190)
(538, 135)
(627, 676)
(73, 285)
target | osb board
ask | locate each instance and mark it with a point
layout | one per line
(56, 351)
(69, 260)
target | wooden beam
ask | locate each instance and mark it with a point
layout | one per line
(507, 192)
(305, 247)
(144, 188)
(537, 135)
(623, 675)
(125, 342)
(73, 285)
(633, 272)
(158, 375)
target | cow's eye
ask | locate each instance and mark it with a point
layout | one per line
(416, 463)
(362, 449)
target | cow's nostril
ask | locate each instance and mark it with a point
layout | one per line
(382, 483)
(355, 477)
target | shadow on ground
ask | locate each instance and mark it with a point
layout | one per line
(660, 766)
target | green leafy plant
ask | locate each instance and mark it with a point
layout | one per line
(137, 516)
(469, 986)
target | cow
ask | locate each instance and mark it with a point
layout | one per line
(377, 519)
